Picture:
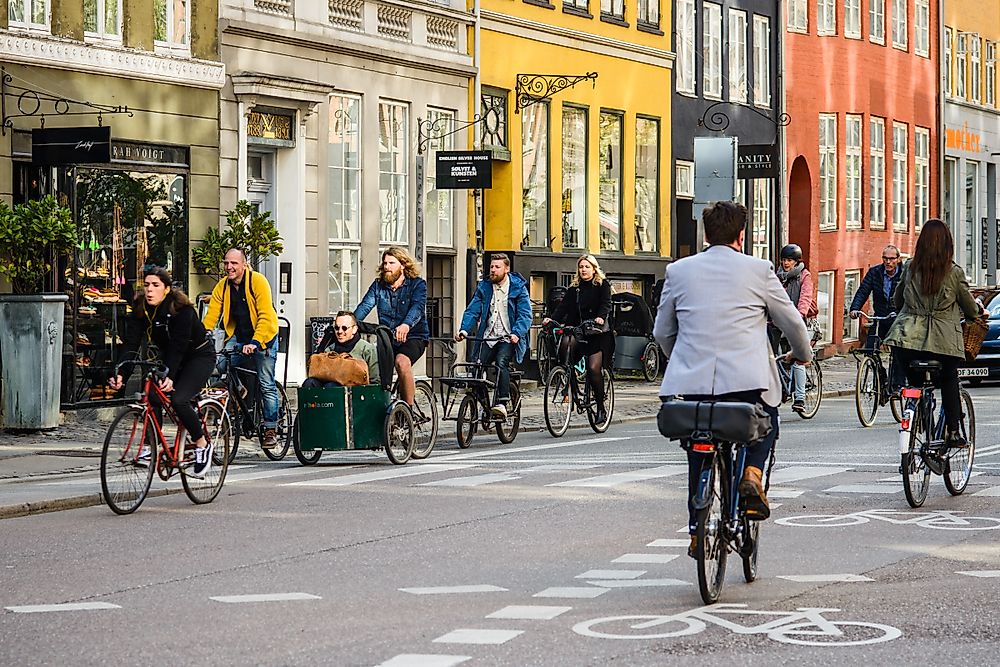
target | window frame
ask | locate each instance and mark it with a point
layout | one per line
(828, 174)
(655, 179)
(797, 19)
(900, 177)
(949, 79)
(581, 228)
(687, 22)
(169, 44)
(975, 66)
(349, 238)
(826, 323)
(645, 9)
(712, 54)
(876, 171)
(100, 8)
(900, 25)
(613, 5)
(761, 217)
(876, 17)
(851, 330)
(826, 18)
(684, 172)
(352, 295)
(762, 61)
(970, 217)
(921, 176)
(30, 25)
(545, 206)
(961, 66)
(737, 66)
(922, 28)
(853, 171)
(852, 9)
(444, 142)
(990, 74)
(401, 149)
(619, 179)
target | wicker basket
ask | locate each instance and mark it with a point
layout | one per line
(973, 335)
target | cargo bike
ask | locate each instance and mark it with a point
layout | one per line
(368, 417)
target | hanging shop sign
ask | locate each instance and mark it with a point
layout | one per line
(757, 161)
(58, 146)
(135, 152)
(272, 129)
(464, 170)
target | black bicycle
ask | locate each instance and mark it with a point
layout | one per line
(238, 390)
(470, 386)
(922, 445)
(872, 388)
(569, 386)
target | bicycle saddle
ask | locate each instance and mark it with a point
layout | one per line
(925, 365)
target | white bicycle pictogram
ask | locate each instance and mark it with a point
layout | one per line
(804, 627)
(938, 520)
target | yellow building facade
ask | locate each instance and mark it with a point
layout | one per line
(581, 164)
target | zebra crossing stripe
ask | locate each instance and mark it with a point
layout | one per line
(395, 472)
(614, 479)
(67, 606)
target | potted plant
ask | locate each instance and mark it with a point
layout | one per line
(32, 236)
(251, 231)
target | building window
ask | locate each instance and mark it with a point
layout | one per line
(649, 13)
(344, 176)
(852, 19)
(961, 64)
(824, 304)
(991, 74)
(899, 181)
(876, 177)
(535, 175)
(343, 278)
(922, 28)
(826, 17)
(852, 279)
(972, 43)
(103, 18)
(921, 176)
(439, 205)
(852, 172)
(827, 171)
(613, 9)
(737, 56)
(761, 61)
(647, 183)
(947, 65)
(172, 18)
(580, 5)
(899, 24)
(948, 214)
(610, 195)
(494, 124)
(28, 14)
(971, 208)
(876, 21)
(574, 177)
(685, 46)
(393, 160)
(712, 50)
(760, 219)
(798, 16)
(684, 179)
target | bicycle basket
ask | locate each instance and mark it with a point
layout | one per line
(973, 334)
(717, 420)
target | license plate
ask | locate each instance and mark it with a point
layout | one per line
(973, 372)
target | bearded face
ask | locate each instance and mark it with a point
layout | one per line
(390, 276)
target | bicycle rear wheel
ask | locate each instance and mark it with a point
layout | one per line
(218, 430)
(866, 391)
(751, 531)
(125, 480)
(558, 401)
(305, 457)
(651, 361)
(467, 422)
(425, 421)
(958, 467)
(916, 474)
(543, 358)
(399, 433)
(712, 551)
(609, 405)
(284, 429)
(896, 405)
(236, 424)
(814, 390)
(507, 429)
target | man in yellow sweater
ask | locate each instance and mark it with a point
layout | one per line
(243, 300)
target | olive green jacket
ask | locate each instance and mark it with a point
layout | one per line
(365, 351)
(932, 323)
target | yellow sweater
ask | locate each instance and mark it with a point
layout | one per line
(262, 313)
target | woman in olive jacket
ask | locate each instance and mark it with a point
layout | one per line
(931, 298)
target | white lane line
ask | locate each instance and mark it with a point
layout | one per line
(645, 558)
(669, 543)
(424, 660)
(819, 578)
(397, 471)
(617, 478)
(796, 473)
(640, 583)
(581, 592)
(264, 597)
(777, 492)
(68, 606)
(474, 480)
(478, 636)
(988, 449)
(530, 612)
(559, 467)
(447, 590)
(529, 448)
(969, 573)
(232, 478)
(990, 492)
(865, 488)
(611, 574)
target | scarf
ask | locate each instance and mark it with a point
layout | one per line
(790, 281)
(348, 346)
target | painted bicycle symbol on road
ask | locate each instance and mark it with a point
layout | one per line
(938, 520)
(807, 626)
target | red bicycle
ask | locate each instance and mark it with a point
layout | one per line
(135, 446)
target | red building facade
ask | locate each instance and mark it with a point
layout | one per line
(861, 87)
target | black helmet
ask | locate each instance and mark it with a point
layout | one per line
(791, 251)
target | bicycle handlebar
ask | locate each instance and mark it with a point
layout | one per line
(873, 318)
(158, 369)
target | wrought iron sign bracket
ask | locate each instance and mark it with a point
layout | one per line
(717, 120)
(40, 103)
(532, 88)
(428, 131)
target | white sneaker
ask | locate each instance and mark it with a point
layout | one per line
(202, 463)
(500, 411)
(144, 456)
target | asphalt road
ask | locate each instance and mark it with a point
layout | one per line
(512, 555)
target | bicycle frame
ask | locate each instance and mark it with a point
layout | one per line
(175, 453)
(734, 464)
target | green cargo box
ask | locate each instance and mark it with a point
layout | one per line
(342, 417)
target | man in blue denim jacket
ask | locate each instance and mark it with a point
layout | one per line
(501, 309)
(400, 296)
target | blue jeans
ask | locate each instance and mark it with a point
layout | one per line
(265, 361)
(501, 354)
(798, 382)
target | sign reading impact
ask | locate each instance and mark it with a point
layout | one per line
(458, 170)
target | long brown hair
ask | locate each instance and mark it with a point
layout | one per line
(175, 298)
(410, 267)
(932, 258)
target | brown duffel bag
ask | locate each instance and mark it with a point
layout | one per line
(341, 368)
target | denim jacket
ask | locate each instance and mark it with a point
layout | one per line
(405, 305)
(518, 312)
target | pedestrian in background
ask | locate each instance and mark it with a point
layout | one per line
(798, 284)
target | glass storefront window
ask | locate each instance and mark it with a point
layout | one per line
(971, 206)
(343, 278)
(761, 218)
(535, 175)
(393, 160)
(610, 195)
(852, 279)
(647, 183)
(574, 177)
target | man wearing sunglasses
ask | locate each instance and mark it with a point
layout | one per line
(879, 283)
(343, 336)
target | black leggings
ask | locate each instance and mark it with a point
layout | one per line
(189, 381)
(947, 380)
(595, 363)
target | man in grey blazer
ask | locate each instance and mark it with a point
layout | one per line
(712, 325)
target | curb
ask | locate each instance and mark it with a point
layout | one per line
(76, 502)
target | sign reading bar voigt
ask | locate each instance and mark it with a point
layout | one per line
(458, 170)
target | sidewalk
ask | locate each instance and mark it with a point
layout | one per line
(30, 459)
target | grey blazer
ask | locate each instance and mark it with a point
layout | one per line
(712, 325)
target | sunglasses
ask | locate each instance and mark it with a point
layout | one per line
(347, 328)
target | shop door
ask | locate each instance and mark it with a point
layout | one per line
(440, 309)
(261, 195)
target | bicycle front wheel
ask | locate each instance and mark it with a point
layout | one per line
(814, 390)
(425, 421)
(284, 429)
(543, 358)
(218, 430)
(712, 551)
(399, 433)
(916, 474)
(866, 391)
(609, 405)
(467, 422)
(958, 467)
(125, 479)
(507, 429)
(651, 361)
(558, 401)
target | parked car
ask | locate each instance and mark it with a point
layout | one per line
(987, 364)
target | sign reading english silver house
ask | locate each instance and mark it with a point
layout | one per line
(460, 170)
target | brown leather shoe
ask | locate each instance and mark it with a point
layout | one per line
(752, 490)
(270, 440)
(693, 547)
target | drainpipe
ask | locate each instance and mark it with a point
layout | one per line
(477, 141)
(780, 232)
(941, 111)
